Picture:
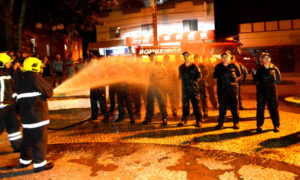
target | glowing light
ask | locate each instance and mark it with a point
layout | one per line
(230, 39)
(167, 38)
(203, 35)
(191, 36)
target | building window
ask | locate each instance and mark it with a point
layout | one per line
(190, 25)
(114, 32)
(146, 28)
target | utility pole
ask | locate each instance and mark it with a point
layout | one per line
(154, 23)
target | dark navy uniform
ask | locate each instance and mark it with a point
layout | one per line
(211, 86)
(8, 114)
(203, 88)
(227, 91)
(97, 95)
(32, 94)
(190, 90)
(266, 80)
(124, 100)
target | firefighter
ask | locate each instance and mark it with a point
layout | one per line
(266, 77)
(227, 74)
(32, 94)
(8, 114)
(211, 83)
(123, 95)
(202, 84)
(241, 80)
(171, 84)
(156, 80)
(190, 75)
(97, 95)
(112, 97)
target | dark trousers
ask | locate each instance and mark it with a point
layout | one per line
(97, 95)
(239, 95)
(212, 95)
(272, 104)
(136, 94)
(124, 100)
(112, 97)
(227, 96)
(203, 96)
(9, 121)
(34, 144)
(170, 92)
(186, 98)
(154, 92)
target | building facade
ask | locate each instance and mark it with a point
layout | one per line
(280, 38)
(178, 23)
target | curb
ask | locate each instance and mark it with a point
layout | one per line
(293, 100)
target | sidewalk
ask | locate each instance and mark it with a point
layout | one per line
(293, 100)
(124, 161)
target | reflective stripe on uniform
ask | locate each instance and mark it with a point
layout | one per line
(36, 125)
(14, 95)
(38, 165)
(26, 95)
(15, 136)
(2, 90)
(25, 162)
(5, 77)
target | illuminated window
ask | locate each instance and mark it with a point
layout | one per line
(190, 25)
(167, 38)
(114, 32)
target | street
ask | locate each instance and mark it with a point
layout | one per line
(95, 150)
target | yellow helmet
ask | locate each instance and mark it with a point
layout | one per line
(4, 58)
(32, 64)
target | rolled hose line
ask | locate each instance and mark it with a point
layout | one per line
(71, 125)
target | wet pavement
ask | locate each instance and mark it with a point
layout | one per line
(148, 161)
(96, 150)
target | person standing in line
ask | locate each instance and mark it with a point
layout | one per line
(227, 75)
(211, 83)
(202, 84)
(266, 77)
(170, 85)
(157, 78)
(190, 75)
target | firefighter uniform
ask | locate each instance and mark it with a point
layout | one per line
(157, 78)
(203, 88)
(189, 76)
(8, 114)
(171, 85)
(227, 87)
(243, 71)
(124, 100)
(112, 97)
(32, 94)
(211, 86)
(97, 95)
(266, 80)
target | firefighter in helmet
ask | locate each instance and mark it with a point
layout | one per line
(8, 114)
(32, 94)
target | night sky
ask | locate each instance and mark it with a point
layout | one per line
(229, 13)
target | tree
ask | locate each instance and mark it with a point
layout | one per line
(75, 15)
